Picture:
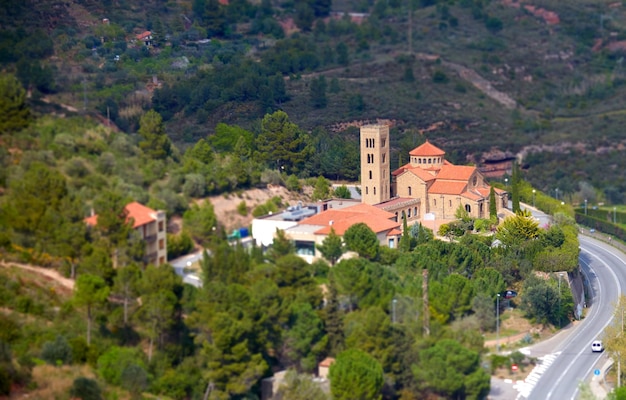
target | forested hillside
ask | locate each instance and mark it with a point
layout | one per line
(221, 97)
(481, 79)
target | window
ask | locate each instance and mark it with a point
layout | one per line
(161, 260)
(383, 142)
(435, 202)
(373, 142)
(430, 161)
(410, 191)
(468, 208)
(383, 159)
(419, 160)
(475, 180)
(160, 226)
(450, 202)
(366, 190)
(161, 244)
(408, 214)
(370, 174)
(392, 243)
(415, 211)
(374, 189)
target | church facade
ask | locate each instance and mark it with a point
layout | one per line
(428, 187)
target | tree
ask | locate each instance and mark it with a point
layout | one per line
(155, 143)
(14, 113)
(303, 339)
(134, 379)
(281, 246)
(515, 188)
(342, 192)
(322, 189)
(517, 230)
(493, 208)
(282, 144)
(331, 247)
(90, 292)
(452, 371)
(125, 286)
(318, 92)
(299, 387)
(200, 222)
(355, 375)
(405, 242)
(362, 240)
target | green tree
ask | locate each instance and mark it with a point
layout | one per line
(355, 375)
(331, 247)
(322, 189)
(300, 387)
(515, 188)
(14, 112)
(281, 246)
(303, 339)
(452, 371)
(155, 143)
(125, 286)
(517, 230)
(342, 192)
(134, 379)
(318, 92)
(90, 292)
(282, 144)
(405, 242)
(112, 363)
(362, 240)
(493, 208)
(200, 222)
(333, 321)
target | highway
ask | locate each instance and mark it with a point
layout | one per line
(569, 353)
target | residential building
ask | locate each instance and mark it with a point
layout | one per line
(151, 226)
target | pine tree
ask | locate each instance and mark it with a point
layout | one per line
(515, 181)
(493, 209)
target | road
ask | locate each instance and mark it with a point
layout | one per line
(566, 359)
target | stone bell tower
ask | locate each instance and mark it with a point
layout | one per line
(375, 174)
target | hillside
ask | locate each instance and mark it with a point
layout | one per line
(542, 80)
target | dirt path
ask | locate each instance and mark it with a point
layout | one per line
(50, 273)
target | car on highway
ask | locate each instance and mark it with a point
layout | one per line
(597, 347)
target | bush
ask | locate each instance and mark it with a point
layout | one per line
(85, 389)
(178, 245)
(58, 352)
(242, 209)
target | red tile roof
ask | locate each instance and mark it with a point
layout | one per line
(143, 35)
(456, 172)
(427, 150)
(139, 213)
(447, 187)
(340, 220)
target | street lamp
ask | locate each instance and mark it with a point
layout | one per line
(556, 193)
(393, 312)
(498, 323)
(534, 191)
(614, 215)
(585, 206)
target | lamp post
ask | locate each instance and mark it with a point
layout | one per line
(556, 193)
(498, 323)
(614, 215)
(393, 310)
(534, 191)
(585, 206)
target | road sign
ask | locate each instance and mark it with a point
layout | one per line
(596, 372)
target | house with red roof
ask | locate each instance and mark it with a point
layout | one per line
(151, 225)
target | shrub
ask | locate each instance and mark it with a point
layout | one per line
(242, 209)
(57, 352)
(85, 389)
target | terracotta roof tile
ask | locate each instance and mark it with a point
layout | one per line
(456, 172)
(427, 150)
(143, 35)
(139, 213)
(448, 187)
(378, 220)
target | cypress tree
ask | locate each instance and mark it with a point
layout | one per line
(493, 210)
(515, 180)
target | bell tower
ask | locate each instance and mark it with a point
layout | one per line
(375, 175)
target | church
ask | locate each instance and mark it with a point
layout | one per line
(427, 188)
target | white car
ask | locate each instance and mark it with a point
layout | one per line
(597, 347)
